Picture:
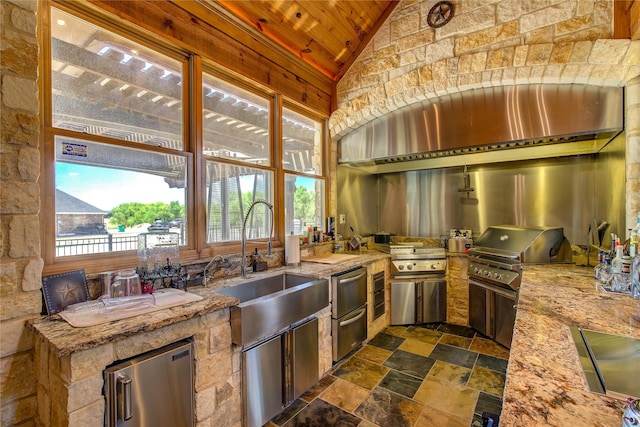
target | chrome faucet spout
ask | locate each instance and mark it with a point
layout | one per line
(215, 259)
(243, 261)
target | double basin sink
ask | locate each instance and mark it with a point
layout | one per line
(271, 304)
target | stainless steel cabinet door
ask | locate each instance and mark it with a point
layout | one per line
(403, 303)
(262, 383)
(155, 389)
(305, 359)
(505, 319)
(478, 309)
(434, 301)
(349, 291)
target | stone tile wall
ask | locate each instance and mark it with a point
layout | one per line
(491, 43)
(20, 262)
(457, 290)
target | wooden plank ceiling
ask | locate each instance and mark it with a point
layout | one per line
(327, 35)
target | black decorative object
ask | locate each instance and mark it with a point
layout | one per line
(440, 14)
(62, 290)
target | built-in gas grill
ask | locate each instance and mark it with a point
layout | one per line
(499, 253)
(418, 284)
(495, 273)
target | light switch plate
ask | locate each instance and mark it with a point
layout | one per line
(343, 218)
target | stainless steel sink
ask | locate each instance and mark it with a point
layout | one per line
(611, 363)
(271, 304)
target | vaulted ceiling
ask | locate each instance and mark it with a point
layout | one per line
(328, 35)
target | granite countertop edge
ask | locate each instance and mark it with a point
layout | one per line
(66, 339)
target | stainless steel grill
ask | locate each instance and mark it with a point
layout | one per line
(499, 253)
(495, 273)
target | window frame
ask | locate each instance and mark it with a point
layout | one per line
(193, 68)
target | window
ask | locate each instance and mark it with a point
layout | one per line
(103, 84)
(235, 123)
(107, 195)
(302, 143)
(304, 203)
(106, 89)
(125, 135)
(231, 190)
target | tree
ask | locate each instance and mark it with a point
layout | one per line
(303, 201)
(132, 214)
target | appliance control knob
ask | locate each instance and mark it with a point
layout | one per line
(409, 267)
(495, 275)
(401, 267)
(433, 266)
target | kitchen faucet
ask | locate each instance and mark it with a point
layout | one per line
(243, 261)
(216, 259)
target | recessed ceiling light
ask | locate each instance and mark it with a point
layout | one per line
(61, 22)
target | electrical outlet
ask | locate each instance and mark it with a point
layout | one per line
(343, 218)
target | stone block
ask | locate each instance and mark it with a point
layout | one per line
(212, 369)
(632, 57)
(32, 277)
(486, 37)
(24, 20)
(141, 343)
(8, 279)
(413, 41)
(15, 336)
(86, 364)
(205, 403)
(24, 239)
(575, 24)
(407, 24)
(551, 15)
(90, 415)
(19, 127)
(19, 412)
(18, 92)
(17, 377)
(440, 50)
(29, 163)
(539, 54)
(18, 197)
(561, 53)
(472, 19)
(43, 415)
(21, 305)
(500, 58)
(608, 51)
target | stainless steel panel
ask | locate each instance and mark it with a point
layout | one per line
(567, 192)
(348, 332)
(155, 389)
(305, 358)
(611, 362)
(403, 302)
(531, 244)
(348, 291)
(262, 382)
(478, 309)
(260, 318)
(433, 301)
(493, 118)
(258, 288)
(505, 318)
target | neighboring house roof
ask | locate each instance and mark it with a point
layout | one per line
(66, 203)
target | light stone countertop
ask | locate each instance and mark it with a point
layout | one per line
(64, 339)
(545, 382)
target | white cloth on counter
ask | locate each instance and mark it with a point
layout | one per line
(105, 310)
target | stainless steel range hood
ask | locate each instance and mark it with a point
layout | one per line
(488, 125)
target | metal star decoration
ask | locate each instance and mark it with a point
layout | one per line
(440, 14)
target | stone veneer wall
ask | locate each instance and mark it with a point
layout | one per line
(70, 385)
(20, 261)
(457, 290)
(492, 43)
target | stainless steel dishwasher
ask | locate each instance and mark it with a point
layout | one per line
(154, 389)
(279, 370)
(348, 311)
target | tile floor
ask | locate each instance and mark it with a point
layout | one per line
(426, 375)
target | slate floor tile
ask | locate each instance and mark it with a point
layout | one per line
(400, 383)
(386, 341)
(409, 363)
(455, 355)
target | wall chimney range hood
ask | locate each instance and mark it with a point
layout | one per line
(488, 125)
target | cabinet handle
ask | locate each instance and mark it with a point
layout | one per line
(123, 389)
(351, 279)
(355, 319)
